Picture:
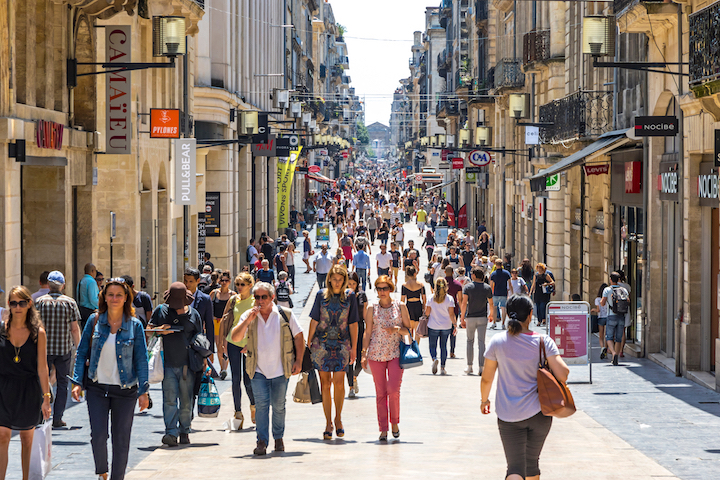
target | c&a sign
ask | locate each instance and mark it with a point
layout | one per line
(164, 123)
(118, 122)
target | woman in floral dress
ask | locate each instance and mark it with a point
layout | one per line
(332, 339)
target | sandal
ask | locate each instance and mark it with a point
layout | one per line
(327, 435)
(383, 437)
(340, 432)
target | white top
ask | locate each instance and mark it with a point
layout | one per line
(439, 318)
(517, 285)
(321, 213)
(400, 234)
(384, 260)
(107, 369)
(439, 272)
(289, 258)
(253, 253)
(602, 311)
(269, 338)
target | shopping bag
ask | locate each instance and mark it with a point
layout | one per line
(208, 398)
(156, 368)
(40, 457)
(422, 328)
(302, 389)
(315, 395)
(410, 354)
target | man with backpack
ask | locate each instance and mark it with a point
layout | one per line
(251, 253)
(618, 299)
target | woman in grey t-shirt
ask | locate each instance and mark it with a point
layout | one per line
(515, 355)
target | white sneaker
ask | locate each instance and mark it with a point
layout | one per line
(442, 371)
(469, 370)
(352, 393)
(435, 366)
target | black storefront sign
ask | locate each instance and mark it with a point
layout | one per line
(656, 126)
(668, 179)
(301, 169)
(285, 144)
(201, 236)
(717, 148)
(707, 185)
(212, 214)
(472, 169)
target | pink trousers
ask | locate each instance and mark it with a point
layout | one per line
(387, 377)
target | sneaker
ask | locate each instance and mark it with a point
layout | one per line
(469, 370)
(615, 360)
(169, 440)
(352, 393)
(452, 355)
(492, 327)
(603, 354)
(261, 448)
(279, 445)
(443, 371)
(184, 439)
(223, 374)
(435, 366)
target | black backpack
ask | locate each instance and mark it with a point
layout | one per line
(247, 254)
(620, 300)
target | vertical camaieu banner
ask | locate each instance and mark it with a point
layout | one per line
(185, 171)
(286, 172)
(118, 48)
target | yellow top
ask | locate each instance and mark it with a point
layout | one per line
(241, 306)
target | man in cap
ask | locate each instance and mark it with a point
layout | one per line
(60, 315)
(179, 323)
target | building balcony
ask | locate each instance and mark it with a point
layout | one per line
(344, 62)
(705, 50)
(536, 47)
(636, 16)
(508, 74)
(447, 108)
(580, 115)
(478, 92)
(463, 83)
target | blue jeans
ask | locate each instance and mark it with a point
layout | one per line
(362, 273)
(321, 277)
(383, 271)
(615, 327)
(269, 392)
(177, 388)
(239, 374)
(443, 335)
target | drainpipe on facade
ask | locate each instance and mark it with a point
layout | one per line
(681, 193)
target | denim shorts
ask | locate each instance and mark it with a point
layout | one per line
(500, 302)
(602, 321)
(615, 327)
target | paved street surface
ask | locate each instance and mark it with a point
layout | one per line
(635, 421)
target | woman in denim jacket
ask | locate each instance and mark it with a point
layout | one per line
(113, 351)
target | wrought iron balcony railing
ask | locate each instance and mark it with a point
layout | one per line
(576, 116)
(508, 74)
(201, 3)
(536, 46)
(704, 45)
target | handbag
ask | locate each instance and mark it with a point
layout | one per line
(302, 389)
(555, 397)
(208, 398)
(156, 368)
(315, 395)
(307, 361)
(422, 328)
(410, 354)
(198, 351)
(228, 318)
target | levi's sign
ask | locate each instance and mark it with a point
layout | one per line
(597, 169)
(117, 91)
(656, 126)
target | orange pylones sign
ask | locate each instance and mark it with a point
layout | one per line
(164, 123)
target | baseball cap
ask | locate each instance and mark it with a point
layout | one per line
(56, 277)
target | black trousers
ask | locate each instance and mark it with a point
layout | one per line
(523, 441)
(62, 369)
(118, 404)
(354, 370)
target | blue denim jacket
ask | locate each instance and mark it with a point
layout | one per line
(131, 352)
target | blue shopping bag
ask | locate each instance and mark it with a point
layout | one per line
(208, 398)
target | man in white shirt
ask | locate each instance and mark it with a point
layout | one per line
(321, 214)
(384, 261)
(272, 338)
(322, 264)
(400, 234)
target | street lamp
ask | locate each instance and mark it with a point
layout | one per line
(483, 136)
(519, 105)
(599, 36)
(306, 117)
(433, 141)
(168, 36)
(296, 109)
(248, 122)
(281, 98)
(464, 137)
(440, 140)
(423, 141)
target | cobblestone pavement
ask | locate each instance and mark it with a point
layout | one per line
(634, 421)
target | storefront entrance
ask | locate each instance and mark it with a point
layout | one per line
(631, 244)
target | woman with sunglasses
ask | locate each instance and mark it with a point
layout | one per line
(332, 339)
(24, 381)
(385, 323)
(353, 370)
(117, 377)
(219, 298)
(238, 304)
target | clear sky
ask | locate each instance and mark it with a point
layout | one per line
(379, 39)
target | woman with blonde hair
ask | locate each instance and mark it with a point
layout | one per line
(220, 298)
(442, 322)
(238, 304)
(542, 287)
(24, 381)
(332, 339)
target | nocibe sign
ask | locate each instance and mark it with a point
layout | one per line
(656, 126)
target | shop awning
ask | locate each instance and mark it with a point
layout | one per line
(607, 142)
(429, 177)
(442, 185)
(319, 178)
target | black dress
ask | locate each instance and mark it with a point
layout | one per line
(20, 394)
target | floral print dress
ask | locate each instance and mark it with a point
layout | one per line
(331, 344)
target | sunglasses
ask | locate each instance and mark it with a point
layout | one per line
(261, 297)
(225, 280)
(382, 289)
(21, 304)
(241, 284)
(116, 280)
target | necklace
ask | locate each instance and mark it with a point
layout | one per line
(16, 359)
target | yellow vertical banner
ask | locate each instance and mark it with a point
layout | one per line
(285, 173)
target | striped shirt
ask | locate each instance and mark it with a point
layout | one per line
(57, 311)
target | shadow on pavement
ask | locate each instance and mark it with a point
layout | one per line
(273, 455)
(337, 441)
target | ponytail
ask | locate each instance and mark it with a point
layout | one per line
(519, 310)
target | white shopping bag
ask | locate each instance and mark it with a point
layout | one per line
(40, 458)
(156, 369)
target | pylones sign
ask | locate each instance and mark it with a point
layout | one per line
(118, 123)
(185, 171)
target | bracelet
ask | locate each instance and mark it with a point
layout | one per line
(486, 402)
(48, 395)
